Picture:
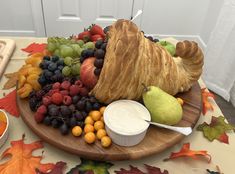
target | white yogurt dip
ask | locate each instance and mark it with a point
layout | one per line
(126, 117)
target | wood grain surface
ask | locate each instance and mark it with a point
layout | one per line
(155, 141)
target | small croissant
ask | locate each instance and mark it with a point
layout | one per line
(132, 60)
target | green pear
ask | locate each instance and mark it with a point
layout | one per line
(169, 46)
(163, 107)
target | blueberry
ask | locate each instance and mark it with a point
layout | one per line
(96, 106)
(42, 80)
(52, 66)
(99, 63)
(60, 62)
(46, 58)
(80, 105)
(54, 78)
(98, 44)
(60, 67)
(43, 65)
(48, 74)
(53, 111)
(75, 99)
(150, 38)
(81, 124)
(55, 58)
(65, 111)
(57, 71)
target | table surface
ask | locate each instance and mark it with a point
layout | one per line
(222, 154)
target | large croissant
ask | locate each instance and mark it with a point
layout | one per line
(132, 60)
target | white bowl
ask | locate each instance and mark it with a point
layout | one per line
(125, 122)
(4, 136)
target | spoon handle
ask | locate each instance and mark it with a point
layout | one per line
(182, 130)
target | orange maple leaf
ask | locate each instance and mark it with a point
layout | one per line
(22, 161)
(206, 105)
(186, 152)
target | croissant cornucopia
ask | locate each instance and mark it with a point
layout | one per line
(132, 60)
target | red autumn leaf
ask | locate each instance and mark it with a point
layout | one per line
(8, 103)
(154, 170)
(223, 138)
(35, 48)
(186, 152)
(58, 169)
(206, 105)
(135, 170)
(22, 161)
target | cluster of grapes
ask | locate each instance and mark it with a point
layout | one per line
(63, 47)
(72, 67)
(52, 70)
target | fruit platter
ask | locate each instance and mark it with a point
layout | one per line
(94, 94)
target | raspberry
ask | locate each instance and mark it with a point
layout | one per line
(39, 117)
(46, 100)
(73, 90)
(56, 85)
(64, 92)
(79, 83)
(57, 98)
(84, 91)
(42, 109)
(52, 91)
(65, 85)
(67, 100)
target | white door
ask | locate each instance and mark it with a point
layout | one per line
(67, 17)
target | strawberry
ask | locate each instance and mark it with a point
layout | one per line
(85, 36)
(96, 29)
(96, 37)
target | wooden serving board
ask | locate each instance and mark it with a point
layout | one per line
(7, 47)
(155, 141)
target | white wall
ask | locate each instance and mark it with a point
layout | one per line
(183, 19)
(21, 18)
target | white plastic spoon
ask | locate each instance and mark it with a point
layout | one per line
(139, 12)
(182, 130)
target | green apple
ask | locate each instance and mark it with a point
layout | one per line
(169, 46)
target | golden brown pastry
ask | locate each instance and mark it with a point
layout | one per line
(131, 60)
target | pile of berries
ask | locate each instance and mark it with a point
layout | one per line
(63, 105)
(52, 70)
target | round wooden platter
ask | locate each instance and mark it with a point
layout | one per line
(155, 141)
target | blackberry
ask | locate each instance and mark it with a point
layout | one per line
(33, 102)
(47, 88)
(40, 94)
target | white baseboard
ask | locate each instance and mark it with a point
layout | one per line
(17, 33)
(195, 38)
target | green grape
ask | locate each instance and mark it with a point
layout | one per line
(68, 61)
(80, 43)
(66, 51)
(66, 71)
(89, 45)
(75, 69)
(77, 49)
(57, 52)
(51, 47)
